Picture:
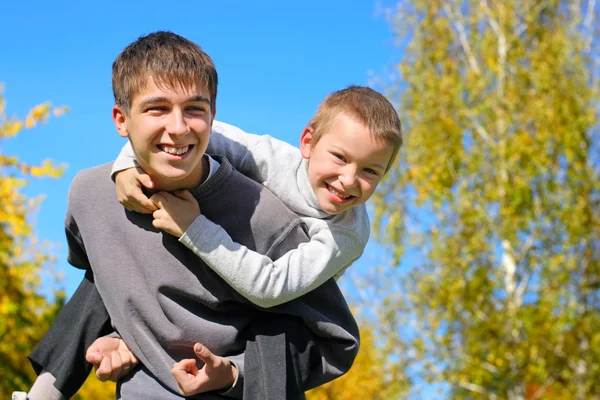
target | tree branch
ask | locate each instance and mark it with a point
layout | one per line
(539, 5)
(462, 37)
(587, 24)
(481, 130)
(477, 389)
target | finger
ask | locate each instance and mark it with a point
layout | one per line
(187, 365)
(144, 178)
(185, 195)
(144, 205)
(157, 223)
(126, 360)
(140, 202)
(126, 205)
(104, 370)
(93, 357)
(158, 213)
(187, 376)
(134, 360)
(116, 364)
(158, 199)
(185, 371)
(168, 198)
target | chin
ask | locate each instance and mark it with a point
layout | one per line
(328, 208)
(172, 175)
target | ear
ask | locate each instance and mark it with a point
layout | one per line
(305, 142)
(120, 120)
(213, 113)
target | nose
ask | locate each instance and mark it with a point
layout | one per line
(348, 177)
(176, 124)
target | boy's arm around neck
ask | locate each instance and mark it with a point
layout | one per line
(267, 281)
(262, 158)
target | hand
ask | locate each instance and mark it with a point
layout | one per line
(111, 357)
(217, 373)
(176, 212)
(129, 193)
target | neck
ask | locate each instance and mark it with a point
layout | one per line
(192, 180)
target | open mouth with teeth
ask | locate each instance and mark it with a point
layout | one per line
(175, 150)
(338, 195)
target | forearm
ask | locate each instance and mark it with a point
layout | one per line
(261, 280)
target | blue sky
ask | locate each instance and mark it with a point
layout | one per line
(276, 62)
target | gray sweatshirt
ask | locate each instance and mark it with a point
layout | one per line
(162, 299)
(335, 241)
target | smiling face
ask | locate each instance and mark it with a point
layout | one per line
(169, 129)
(345, 165)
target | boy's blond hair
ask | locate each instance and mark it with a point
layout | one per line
(367, 106)
(172, 60)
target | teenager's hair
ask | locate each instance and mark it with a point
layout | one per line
(170, 59)
(367, 106)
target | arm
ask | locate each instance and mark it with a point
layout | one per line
(259, 157)
(269, 282)
(226, 140)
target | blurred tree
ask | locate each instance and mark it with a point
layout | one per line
(25, 314)
(495, 200)
(372, 377)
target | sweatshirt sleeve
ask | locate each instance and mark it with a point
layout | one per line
(262, 158)
(269, 282)
(125, 160)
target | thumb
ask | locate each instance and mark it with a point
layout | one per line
(204, 354)
(147, 181)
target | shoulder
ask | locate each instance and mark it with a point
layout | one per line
(269, 215)
(89, 182)
(264, 201)
(355, 220)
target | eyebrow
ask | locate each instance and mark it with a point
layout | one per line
(378, 166)
(154, 100)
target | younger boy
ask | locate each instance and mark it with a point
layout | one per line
(344, 152)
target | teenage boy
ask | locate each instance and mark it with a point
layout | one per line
(160, 298)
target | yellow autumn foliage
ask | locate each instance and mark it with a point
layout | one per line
(25, 315)
(370, 378)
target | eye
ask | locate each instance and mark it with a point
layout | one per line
(339, 157)
(371, 171)
(157, 108)
(196, 109)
